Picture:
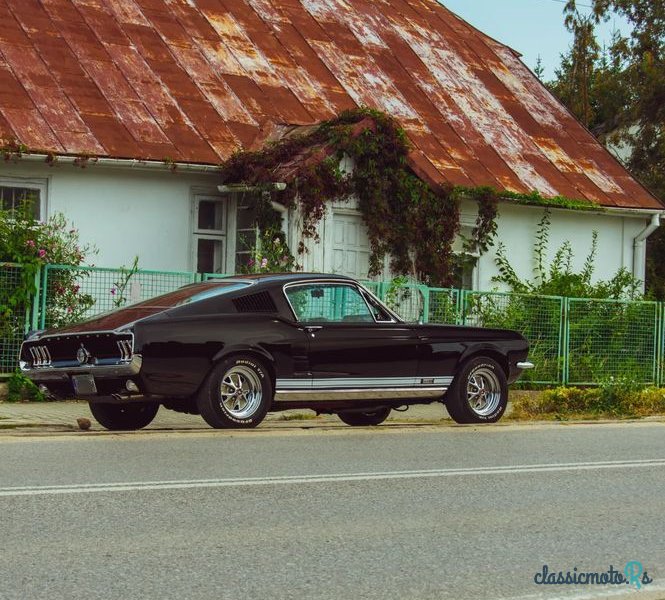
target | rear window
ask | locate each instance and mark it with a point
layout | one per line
(195, 293)
(134, 312)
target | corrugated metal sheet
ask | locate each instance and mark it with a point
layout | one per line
(196, 80)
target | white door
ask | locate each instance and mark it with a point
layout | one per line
(348, 246)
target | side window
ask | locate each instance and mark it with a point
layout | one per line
(380, 314)
(328, 303)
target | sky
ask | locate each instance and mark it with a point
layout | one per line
(532, 27)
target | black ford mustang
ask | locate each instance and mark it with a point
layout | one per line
(234, 349)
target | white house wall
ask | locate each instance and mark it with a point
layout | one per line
(517, 228)
(124, 212)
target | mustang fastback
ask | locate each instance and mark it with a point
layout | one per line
(236, 348)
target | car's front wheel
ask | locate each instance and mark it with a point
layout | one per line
(374, 416)
(237, 394)
(124, 417)
(479, 393)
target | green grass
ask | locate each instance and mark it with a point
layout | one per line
(615, 399)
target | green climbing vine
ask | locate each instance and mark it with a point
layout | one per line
(414, 223)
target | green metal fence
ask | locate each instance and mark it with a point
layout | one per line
(15, 315)
(572, 341)
(101, 289)
(606, 338)
(539, 318)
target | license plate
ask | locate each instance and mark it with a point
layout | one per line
(84, 385)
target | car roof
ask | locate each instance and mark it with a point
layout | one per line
(281, 277)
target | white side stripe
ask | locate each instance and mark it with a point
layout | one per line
(362, 382)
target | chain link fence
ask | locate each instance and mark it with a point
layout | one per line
(14, 314)
(607, 338)
(73, 293)
(572, 341)
(538, 318)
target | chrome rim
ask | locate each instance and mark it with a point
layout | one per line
(240, 392)
(483, 392)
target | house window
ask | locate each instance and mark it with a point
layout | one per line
(16, 192)
(464, 274)
(209, 234)
(247, 235)
(466, 262)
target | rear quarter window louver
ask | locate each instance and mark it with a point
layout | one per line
(255, 303)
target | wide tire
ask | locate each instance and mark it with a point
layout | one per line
(479, 392)
(374, 416)
(124, 417)
(237, 394)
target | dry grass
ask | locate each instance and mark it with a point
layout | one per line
(289, 416)
(614, 400)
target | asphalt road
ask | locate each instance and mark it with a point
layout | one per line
(422, 512)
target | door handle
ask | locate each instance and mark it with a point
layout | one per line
(313, 328)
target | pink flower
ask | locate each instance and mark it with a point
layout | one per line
(112, 291)
(251, 262)
(30, 243)
(264, 263)
(42, 253)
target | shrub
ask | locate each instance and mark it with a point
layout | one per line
(20, 388)
(606, 329)
(559, 278)
(33, 244)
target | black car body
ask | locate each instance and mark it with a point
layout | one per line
(272, 342)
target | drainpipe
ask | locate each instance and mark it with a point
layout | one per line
(640, 245)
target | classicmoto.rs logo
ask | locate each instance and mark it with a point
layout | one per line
(633, 574)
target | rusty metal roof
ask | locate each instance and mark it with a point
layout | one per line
(195, 80)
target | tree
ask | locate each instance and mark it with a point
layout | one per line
(539, 70)
(590, 79)
(637, 116)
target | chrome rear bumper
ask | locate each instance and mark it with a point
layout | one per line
(125, 369)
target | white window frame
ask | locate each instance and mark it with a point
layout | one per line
(469, 223)
(237, 198)
(220, 235)
(40, 184)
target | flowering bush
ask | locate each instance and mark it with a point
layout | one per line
(272, 255)
(119, 290)
(32, 244)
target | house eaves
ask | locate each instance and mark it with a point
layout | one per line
(192, 82)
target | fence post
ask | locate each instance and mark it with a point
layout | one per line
(42, 302)
(660, 342)
(564, 341)
(462, 306)
(425, 292)
(34, 304)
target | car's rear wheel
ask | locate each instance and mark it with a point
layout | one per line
(124, 417)
(374, 416)
(479, 393)
(237, 394)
